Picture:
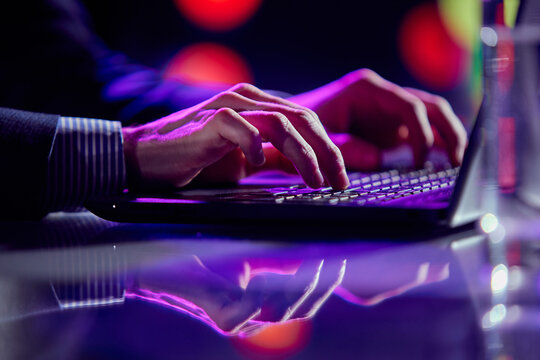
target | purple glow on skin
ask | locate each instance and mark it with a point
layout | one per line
(168, 201)
(248, 327)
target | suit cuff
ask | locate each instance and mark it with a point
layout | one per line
(86, 162)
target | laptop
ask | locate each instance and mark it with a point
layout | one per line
(424, 199)
(428, 197)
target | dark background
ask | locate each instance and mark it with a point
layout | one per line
(289, 45)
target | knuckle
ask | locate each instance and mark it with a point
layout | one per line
(417, 106)
(244, 87)
(280, 121)
(363, 75)
(335, 155)
(225, 112)
(306, 117)
(441, 103)
(228, 96)
(309, 153)
(253, 134)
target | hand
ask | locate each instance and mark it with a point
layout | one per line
(365, 113)
(173, 150)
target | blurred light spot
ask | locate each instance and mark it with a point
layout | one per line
(403, 132)
(462, 18)
(429, 52)
(510, 12)
(218, 15)
(514, 314)
(515, 278)
(499, 278)
(276, 340)
(497, 235)
(489, 36)
(207, 63)
(488, 223)
(494, 317)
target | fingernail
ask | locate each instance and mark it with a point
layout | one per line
(261, 158)
(459, 155)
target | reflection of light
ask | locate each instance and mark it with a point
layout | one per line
(307, 291)
(423, 276)
(187, 307)
(494, 316)
(218, 15)
(428, 50)
(489, 36)
(497, 235)
(329, 291)
(489, 223)
(499, 278)
(280, 340)
(208, 63)
(515, 278)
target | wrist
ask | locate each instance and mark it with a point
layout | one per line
(133, 173)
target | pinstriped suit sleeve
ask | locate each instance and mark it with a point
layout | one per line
(56, 163)
(86, 162)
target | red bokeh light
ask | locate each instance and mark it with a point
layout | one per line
(207, 63)
(218, 15)
(428, 50)
(276, 341)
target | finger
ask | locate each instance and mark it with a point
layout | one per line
(448, 125)
(275, 127)
(231, 126)
(358, 154)
(329, 156)
(308, 126)
(253, 92)
(412, 113)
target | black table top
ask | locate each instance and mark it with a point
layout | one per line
(74, 286)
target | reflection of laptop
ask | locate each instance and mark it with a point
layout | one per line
(418, 198)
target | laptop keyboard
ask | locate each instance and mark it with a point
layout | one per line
(376, 189)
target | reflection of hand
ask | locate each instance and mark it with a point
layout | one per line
(373, 277)
(247, 306)
(297, 295)
(370, 113)
(174, 149)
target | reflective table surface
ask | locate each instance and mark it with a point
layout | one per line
(74, 286)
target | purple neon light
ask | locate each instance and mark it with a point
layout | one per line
(165, 200)
(248, 327)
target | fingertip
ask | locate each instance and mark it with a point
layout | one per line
(342, 181)
(260, 159)
(315, 182)
(458, 157)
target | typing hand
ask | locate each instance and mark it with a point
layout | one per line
(233, 124)
(365, 113)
